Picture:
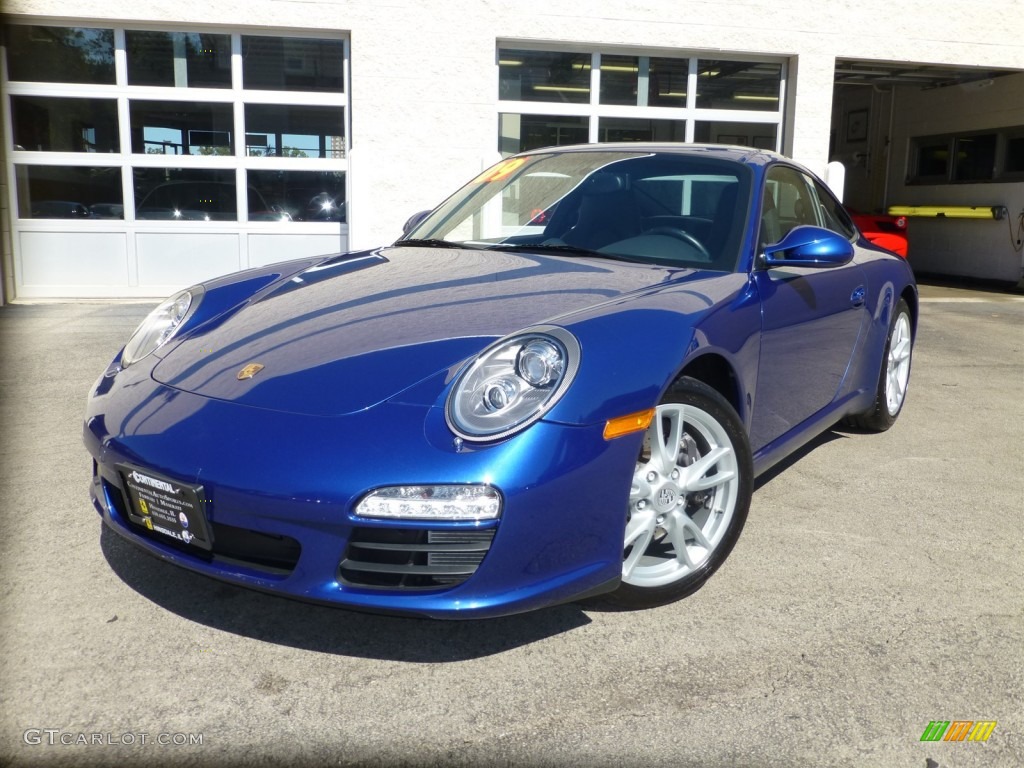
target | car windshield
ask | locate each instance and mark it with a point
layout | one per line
(658, 207)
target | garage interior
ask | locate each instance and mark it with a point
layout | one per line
(884, 115)
(878, 87)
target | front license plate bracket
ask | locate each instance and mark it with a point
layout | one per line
(168, 507)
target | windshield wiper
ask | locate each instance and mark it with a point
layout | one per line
(559, 248)
(431, 242)
(546, 248)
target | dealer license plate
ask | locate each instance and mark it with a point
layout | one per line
(167, 507)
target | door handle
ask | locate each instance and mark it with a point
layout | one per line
(857, 297)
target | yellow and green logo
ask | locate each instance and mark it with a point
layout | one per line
(958, 730)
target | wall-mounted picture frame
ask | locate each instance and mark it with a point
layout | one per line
(857, 125)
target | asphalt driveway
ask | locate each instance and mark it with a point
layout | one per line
(878, 586)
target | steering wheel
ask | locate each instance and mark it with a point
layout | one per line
(681, 234)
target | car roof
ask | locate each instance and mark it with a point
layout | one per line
(746, 155)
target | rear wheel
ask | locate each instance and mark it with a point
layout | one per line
(894, 377)
(689, 498)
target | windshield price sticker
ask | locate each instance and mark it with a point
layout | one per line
(501, 170)
(167, 507)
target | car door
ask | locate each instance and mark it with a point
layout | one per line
(811, 317)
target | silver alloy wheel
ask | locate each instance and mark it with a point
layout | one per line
(684, 494)
(897, 371)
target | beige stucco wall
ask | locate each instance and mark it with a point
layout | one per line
(424, 79)
(423, 96)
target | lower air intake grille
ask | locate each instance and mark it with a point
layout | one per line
(391, 558)
(270, 553)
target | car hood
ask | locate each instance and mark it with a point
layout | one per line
(356, 330)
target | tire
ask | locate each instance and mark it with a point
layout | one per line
(688, 502)
(894, 376)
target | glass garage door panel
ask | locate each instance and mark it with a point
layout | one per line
(60, 54)
(69, 192)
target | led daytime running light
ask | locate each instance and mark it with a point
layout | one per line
(432, 502)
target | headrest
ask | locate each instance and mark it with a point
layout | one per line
(604, 184)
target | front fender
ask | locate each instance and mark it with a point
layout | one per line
(631, 356)
(632, 350)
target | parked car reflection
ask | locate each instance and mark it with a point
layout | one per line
(216, 201)
(325, 207)
(59, 209)
(107, 210)
(189, 201)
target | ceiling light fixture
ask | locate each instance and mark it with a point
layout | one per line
(560, 88)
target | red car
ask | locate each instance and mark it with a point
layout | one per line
(889, 232)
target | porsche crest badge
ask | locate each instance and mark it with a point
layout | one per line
(249, 371)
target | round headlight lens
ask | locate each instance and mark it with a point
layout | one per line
(513, 383)
(500, 393)
(540, 363)
(157, 328)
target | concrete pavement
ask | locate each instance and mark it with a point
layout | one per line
(877, 587)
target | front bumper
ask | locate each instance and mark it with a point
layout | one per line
(281, 488)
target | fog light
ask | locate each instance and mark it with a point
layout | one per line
(432, 502)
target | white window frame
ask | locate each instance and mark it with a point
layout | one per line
(121, 92)
(690, 113)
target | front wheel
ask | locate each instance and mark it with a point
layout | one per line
(689, 497)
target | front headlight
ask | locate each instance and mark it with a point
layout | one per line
(158, 328)
(513, 383)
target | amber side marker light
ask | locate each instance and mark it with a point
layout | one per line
(625, 425)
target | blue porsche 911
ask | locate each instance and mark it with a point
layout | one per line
(562, 382)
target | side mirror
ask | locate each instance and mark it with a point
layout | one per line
(414, 221)
(807, 246)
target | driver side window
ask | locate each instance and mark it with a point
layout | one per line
(788, 203)
(835, 216)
